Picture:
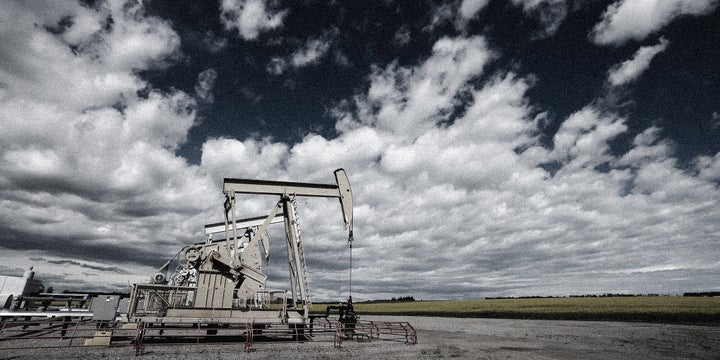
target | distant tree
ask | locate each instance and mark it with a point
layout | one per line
(706, 293)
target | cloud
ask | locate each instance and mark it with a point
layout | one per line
(411, 101)
(451, 180)
(84, 265)
(708, 167)
(648, 147)
(63, 274)
(474, 191)
(549, 13)
(627, 20)
(445, 153)
(582, 140)
(95, 54)
(341, 59)
(250, 17)
(440, 15)
(277, 66)
(206, 81)
(310, 53)
(87, 147)
(214, 43)
(258, 157)
(402, 36)
(469, 8)
(630, 70)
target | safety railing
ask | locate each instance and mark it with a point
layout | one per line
(66, 333)
(367, 331)
(59, 333)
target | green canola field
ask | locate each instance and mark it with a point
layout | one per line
(672, 309)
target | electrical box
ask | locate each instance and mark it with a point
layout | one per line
(104, 307)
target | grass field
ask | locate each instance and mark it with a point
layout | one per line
(672, 309)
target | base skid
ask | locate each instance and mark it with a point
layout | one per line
(223, 316)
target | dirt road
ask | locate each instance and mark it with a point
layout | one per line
(540, 339)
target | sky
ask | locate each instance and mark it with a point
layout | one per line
(494, 147)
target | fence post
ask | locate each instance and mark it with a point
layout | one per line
(139, 335)
(249, 330)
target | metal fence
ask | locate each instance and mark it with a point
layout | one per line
(16, 334)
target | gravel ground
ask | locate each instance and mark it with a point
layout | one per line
(454, 338)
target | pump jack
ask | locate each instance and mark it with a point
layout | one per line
(222, 281)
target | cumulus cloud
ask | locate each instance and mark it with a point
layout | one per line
(95, 54)
(446, 171)
(411, 101)
(474, 192)
(258, 157)
(250, 17)
(627, 20)
(461, 187)
(87, 147)
(631, 69)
